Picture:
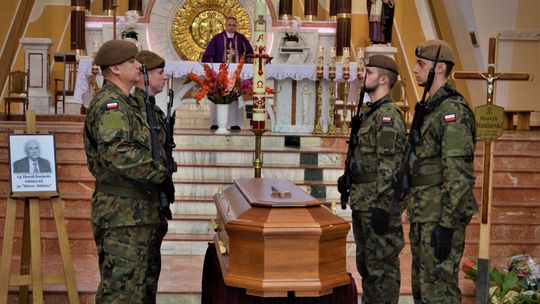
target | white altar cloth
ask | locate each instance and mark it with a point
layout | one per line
(278, 71)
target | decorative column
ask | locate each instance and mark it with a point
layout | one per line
(78, 19)
(108, 7)
(310, 10)
(333, 9)
(135, 5)
(343, 32)
(36, 62)
(88, 5)
(285, 9)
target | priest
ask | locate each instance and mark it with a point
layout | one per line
(228, 46)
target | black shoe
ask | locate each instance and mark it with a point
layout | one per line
(214, 127)
(235, 128)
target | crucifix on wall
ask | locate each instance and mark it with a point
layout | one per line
(489, 120)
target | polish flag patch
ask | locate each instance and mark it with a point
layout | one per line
(112, 105)
(386, 119)
(450, 117)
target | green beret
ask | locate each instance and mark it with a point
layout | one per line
(428, 51)
(150, 59)
(115, 52)
(383, 62)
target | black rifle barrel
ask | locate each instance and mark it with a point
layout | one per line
(156, 151)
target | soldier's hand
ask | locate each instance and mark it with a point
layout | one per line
(343, 184)
(167, 186)
(441, 241)
(380, 219)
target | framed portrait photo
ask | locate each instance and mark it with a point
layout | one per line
(32, 161)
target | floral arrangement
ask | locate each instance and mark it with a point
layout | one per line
(221, 88)
(131, 19)
(517, 284)
(292, 28)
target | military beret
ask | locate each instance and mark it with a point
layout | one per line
(150, 59)
(114, 52)
(428, 50)
(383, 62)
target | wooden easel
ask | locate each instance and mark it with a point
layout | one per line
(31, 269)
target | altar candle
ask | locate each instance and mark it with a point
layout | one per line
(346, 55)
(320, 57)
(259, 70)
(332, 57)
(360, 58)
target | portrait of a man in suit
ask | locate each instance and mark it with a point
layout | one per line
(32, 163)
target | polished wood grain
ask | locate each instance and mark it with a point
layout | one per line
(276, 245)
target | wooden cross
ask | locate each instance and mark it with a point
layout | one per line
(485, 225)
(491, 76)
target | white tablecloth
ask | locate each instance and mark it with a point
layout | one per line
(179, 69)
(273, 71)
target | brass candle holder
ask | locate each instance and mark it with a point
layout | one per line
(346, 75)
(344, 125)
(332, 100)
(320, 71)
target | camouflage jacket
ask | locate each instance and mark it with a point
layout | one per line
(118, 153)
(159, 116)
(448, 141)
(381, 138)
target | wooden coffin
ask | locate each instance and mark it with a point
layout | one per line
(272, 238)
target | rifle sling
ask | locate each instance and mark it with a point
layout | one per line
(364, 178)
(424, 180)
(129, 192)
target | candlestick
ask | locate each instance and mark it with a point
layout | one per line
(360, 58)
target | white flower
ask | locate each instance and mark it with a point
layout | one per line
(132, 17)
(296, 24)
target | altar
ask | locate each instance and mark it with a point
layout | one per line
(290, 110)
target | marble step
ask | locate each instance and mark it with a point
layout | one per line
(296, 175)
(506, 239)
(318, 189)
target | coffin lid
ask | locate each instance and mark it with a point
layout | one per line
(273, 192)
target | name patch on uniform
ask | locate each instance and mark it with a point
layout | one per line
(112, 105)
(386, 119)
(450, 117)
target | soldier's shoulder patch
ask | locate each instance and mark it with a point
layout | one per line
(111, 105)
(450, 117)
(386, 119)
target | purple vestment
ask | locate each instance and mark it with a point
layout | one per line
(217, 48)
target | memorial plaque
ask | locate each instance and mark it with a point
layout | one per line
(274, 238)
(489, 122)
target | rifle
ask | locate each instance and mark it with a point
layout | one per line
(401, 179)
(156, 150)
(170, 118)
(345, 181)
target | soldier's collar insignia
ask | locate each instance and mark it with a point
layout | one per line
(111, 105)
(450, 117)
(386, 119)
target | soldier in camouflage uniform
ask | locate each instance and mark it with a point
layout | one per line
(126, 218)
(441, 201)
(376, 215)
(156, 80)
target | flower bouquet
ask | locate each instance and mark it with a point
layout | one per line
(131, 19)
(291, 32)
(221, 87)
(516, 285)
